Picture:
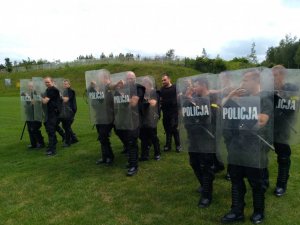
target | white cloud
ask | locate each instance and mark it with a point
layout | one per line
(64, 29)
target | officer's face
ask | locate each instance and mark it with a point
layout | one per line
(165, 81)
(30, 86)
(130, 79)
(278, 79)
(48, 82)
(66, 84)
(249, 82)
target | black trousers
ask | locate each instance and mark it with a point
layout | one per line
(201, 164)
(148, 137)
(283, 152)
(66, 124)
(104, 132)
(130, 141)
(170, 123)
(257, 180)
(50, 125)
(34, 132)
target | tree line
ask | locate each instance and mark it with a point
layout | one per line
(287, 53)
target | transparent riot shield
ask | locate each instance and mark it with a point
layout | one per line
(26, 97)
(247, 116)
(198, 113)
(286, 102)
(150, 103)
(39, 92)
(126, 99)
(100, 96)
(59, 84)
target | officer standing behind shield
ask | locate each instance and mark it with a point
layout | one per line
(149, 120)
(32, 117)
(128, 99)
(199, 111)
(169, 108)
(101, 110)
(68, 113)
(53, 102)
(247, 117)
(286, 100)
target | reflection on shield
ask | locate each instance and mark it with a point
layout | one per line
(198, 113)
(286, 102)
(39, 92)
(126, 113)
(100, 96)
(150, 110)
(247, 116)
(26, 97)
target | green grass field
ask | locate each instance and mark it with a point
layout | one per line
(70, 188)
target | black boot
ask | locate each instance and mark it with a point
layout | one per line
(132, 157)
(258, 205)
(177, 141)
(168, 145)
(206, 194)
(283, 175)
(237, 208)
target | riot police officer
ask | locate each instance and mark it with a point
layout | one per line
(101, 110)
(68, 113)
(128, 99)
(53, 102)
(199, 112)
(286, 109)
(247, 118)
(149, 119)
(31, 113)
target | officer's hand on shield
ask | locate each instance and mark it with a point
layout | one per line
(120, 84)
(65, 99)
(45, 100)
(152, 102)
(134, 100)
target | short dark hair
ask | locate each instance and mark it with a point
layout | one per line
(201, 80)
(165, 74)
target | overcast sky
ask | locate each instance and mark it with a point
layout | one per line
(65, 29)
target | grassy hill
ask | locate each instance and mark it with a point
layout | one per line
(77, 77)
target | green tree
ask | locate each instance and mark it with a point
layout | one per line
(204, 53)
(284, 54)
(297, 56)
(8, 65)
(170, 54)
(252, 56)
(102, 56)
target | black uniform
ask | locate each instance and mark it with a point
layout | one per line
(247, 157)
(129, 136)
(67, 115)
(148, 132)
(284, 120)
(33, 125)
(170, 116)
(53, 110)
(201, 132)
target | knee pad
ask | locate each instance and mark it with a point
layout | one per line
(283, 160)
